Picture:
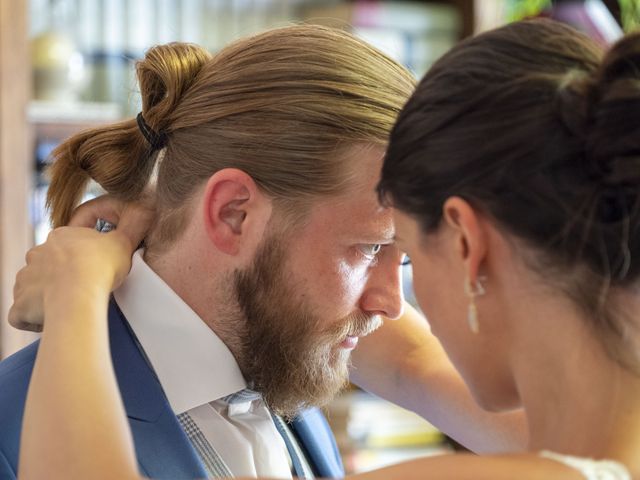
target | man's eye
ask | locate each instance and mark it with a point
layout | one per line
(371, 250)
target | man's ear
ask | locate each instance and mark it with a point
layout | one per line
(235, 211)
(470, 236)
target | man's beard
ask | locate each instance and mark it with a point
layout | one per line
(284, 350)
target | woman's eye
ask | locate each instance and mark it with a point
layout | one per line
(405, 260)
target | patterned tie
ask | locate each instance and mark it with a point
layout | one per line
(215, 465)
(300, 464)
(213, 462)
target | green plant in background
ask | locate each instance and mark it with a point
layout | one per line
(519, 9)
(630, 13)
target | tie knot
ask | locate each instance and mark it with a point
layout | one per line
(242, 396)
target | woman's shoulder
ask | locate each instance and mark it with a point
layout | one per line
(590, 468)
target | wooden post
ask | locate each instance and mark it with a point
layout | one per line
(16, 160)
(489, 14)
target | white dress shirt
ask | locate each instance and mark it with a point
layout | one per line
(196, 370)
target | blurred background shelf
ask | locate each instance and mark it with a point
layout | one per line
(55, 121)
(372, 433)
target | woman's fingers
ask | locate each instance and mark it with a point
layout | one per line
(19, 318)
(26, 312)
(73, 254)
(104, 207)
(135, 221)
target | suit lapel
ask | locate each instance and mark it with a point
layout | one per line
(318, 443)
(162, 447)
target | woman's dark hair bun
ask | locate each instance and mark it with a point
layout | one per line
(613, 141)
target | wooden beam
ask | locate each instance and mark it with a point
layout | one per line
(467, 15)
(16, 169)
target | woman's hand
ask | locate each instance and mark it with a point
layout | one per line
(79, 257)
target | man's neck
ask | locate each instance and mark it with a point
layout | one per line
(204, 288)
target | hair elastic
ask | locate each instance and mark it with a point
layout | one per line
(155, 139)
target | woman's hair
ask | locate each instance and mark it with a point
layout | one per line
(531, 125)
(283, 106)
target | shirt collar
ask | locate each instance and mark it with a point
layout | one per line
(193, 365)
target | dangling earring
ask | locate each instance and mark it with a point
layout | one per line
(472, 292)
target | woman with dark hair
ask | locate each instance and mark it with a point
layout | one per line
(513, 173)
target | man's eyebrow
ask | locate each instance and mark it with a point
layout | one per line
(387, 234)
(386, 237)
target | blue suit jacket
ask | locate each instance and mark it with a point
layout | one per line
(162, 448)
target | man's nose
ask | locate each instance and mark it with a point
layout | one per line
(383, 292)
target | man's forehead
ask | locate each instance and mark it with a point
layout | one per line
(364, 163)
(355, 211)
(359, 215)
(384, 226)
(375, 227)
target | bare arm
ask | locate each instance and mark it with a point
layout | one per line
(471, 467)
(404, 363)
(74, 424)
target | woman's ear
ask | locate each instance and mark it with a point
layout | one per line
(469, 234)
(234, 210)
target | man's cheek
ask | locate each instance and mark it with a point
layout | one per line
(349, 284)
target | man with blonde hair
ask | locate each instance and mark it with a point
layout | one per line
(269, 257)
